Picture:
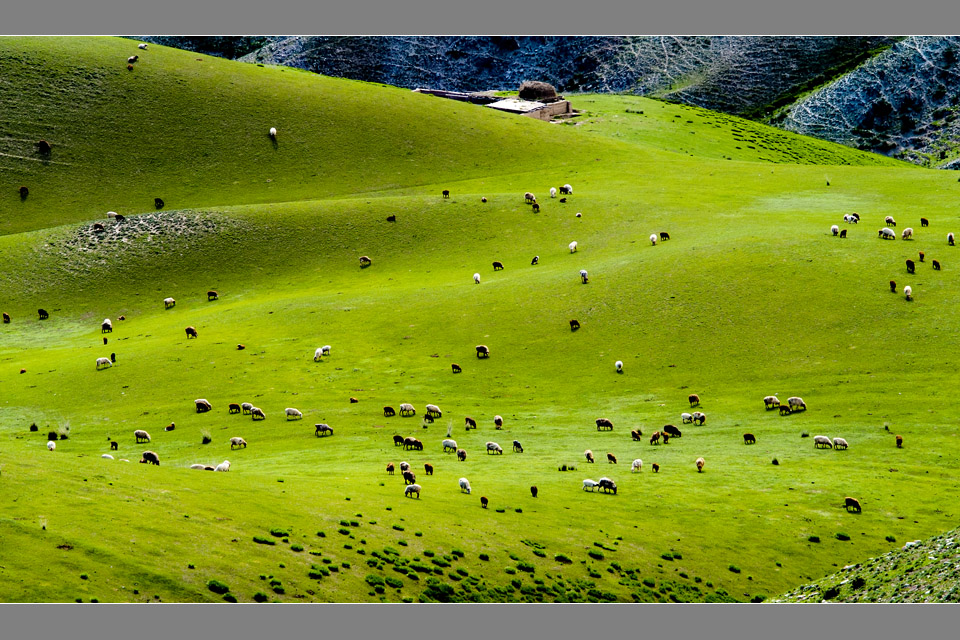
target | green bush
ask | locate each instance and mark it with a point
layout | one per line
(343, 532)
(842, 536)
(597, 555)
(440, 562)
(260, 596)
(484, 557)
(229, 597)
(813, 539)
(525, 566)
(280, 590)
(280, 533)
(296, 547)
(734, 568)
(395, 583)
(373, 580)
(562, 559)
(217, 586)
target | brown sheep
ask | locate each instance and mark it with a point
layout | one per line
(483, 502)
(483, 351)
(461, 455)
(122, 318)
(409, 442)
(428, 468)
(129, 67)
(392, 218)
(893, 286)
(589, 455)
(150, 457)
(748, 438)
(899, 442)
(98, 227)
(114, 445)
(936, 265)
(389, 412)
(202, 405)
(409, 477)
(24, 192)
(612, 459)
(922, 255)
(924, 222)
(604, 423)
(256, 413)
(694, 399)
(534, 491)
(365, 261)
(354, 400)
(470, 423)
(574, 325)
(636, 434)
(6, 318)
(655, 467)
(529, 197)
(212, 295)
(910, 266)
(44, 147)
(390, 468)
(700, 463)
(655, 438)
(666, 437)
(456, 368)
(785, 410)
(446, 193)
(671, 430)
(483, 199)
(497, 265)
(397, 440)
(191, 332)
(536, 208)
(170, 427)
(233, 408)
(851, 503)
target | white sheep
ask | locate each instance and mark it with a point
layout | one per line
(906, 233)
(822, 440)
(835, 230)
(498, 421)
(566, 189)
(589, 485)
(293, 413)
(579, 215)
(890, 221)
(850, 219)
(573, 246)
(619, 365)
(637, 465)
(257, 411)
(908, 292)
(887, 234)
(111, 214)
(407, 408)
(411, 489)
(653, 239)
(142, 45)
(465, 485)
(839, 443)
(434, 411)
(198, 466)
(51, 445)
(273, 132)
(476, 278)
(325, 349)
(494, 447)
(223, 466)
(103, 363)
(141, 435)
(796, 403)
(317, 354)
(449, 444)
(237, 441)
(169, 302)
(404, 466)
(107, 456)
(553, 192)
(686, 418)
(246, 407)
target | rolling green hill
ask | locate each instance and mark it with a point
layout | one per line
(750, 296)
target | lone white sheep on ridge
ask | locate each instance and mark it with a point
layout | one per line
(553, 192)
(273, 132)
(908, 292)
(653, 239)
(619, 365)
(573, 246)
(223, 466)
(637, 465)
(51, 445)
(476, 278)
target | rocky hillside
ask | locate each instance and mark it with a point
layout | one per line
(922, 571)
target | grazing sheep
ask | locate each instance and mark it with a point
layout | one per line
(699, 417)
(150, 457)
(406, 409)
(409, 477)
(889, 221)
(536, 208)
(835, 230)
(748, 438)
(583, 276)
(886, 234)
(43, 314)
(771, 402)
(686, 418)
(411, 489)
(589, 485)
(365, 261)
(461, 455)
(484, 502)
(893, 286)
(908, 292)
(572, 246)
(796, 404)
(936, 265)
(212, 295)
(612, 459)
(169, 303)
(446, 193)
(924, 222)
(133, 59)
(107, 456)
(397, 440)
(51, 445)
(574, 325)
(899, 442)
(653, 239)
(850, 219)
(449, 444)
(529, 198)
(409, 443)
(910, 266)
(497, 265)
(843, 233)
(256, 413)
(655, 467)
(233, 407)
(619, 366)
(390, 468)
(389, 412)
(517, 447)
(141, 435)
(819, 442)
(272, 133)
(404, 466)
(839, 443)
(434, 411)
(606, 485)
(106, 326)
(637, 465)
(785, 410)
(534, 491)
(566, 189)
(202, 405)
(6, 318)
(921, 256)
(655, 438)
(535, 261)
(476, 278)
(245, 408)
(103, 363)
(392, 218)
(495, 448)
(700, 463)
(114, 445)
(671, 430)
(293, 414)
(851, 503)
(553, 192)
(906, 233)
(588, 455)
(455, 367)
(950, 239)
(170, 427)
(24, 192)
(191, 332)
(483, 199)
(238, 442)
(604, 423)
(694, 399)
(198, 466)
(223, 466)
(636, 434)
(498, 422)
(465, 486)
(483, 351)
(664, 236)
(666, 437)
(44, 147)
(322, 429)
(142, 45)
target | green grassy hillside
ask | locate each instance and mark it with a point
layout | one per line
(750, 296)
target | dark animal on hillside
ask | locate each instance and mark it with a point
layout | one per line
(427, 418)
(484, 502)
(924, 222)
(606, 485)
(97, 227)
(150, 457)
(699, 418)
(129, 67)
(446, 193)
(106, 327)
(700, 463)
(921, 256)
(389, 412)
(536, 208)
(391, 218)
(636, 434)
(483, 199)
(483, 351)
(322, 430)
(671, 430)
(498, 422)
(233, 408)
(456, 368)
(23, 370)
(899, 442)
(354, 400)
(893, 286)
(563, 200)
(119, 218)
(843, 233)
(417, 445)
(409, 442)
(6, 318)
(469, 423)
(212, 295)
(655, 438)
(497, 265)
(191, 332)
(24, 192)
(170, 427)
(574, 325)
(241, 347)
(785, 409)
(666, 437)
(950, 239)
(936, 265)
(655, 467)
(461, 455)
(535, 261)
(113, 358)
(365, 261)
(52, 435)
(397, 440)
(43, 314)
(133, 58)
(428, 468)
(43, 147)
(910, 266)
(664, 236)
(121, 318)
(202, 406)
(694, 399)
(114, 445)
(748, 438)
(851, 503)
(604, 423)
(158, 203)
(534, 491)
(409, 477)
(517, 447)
(565, 190)
(612, 459)
(390, 468)
(588, 455)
